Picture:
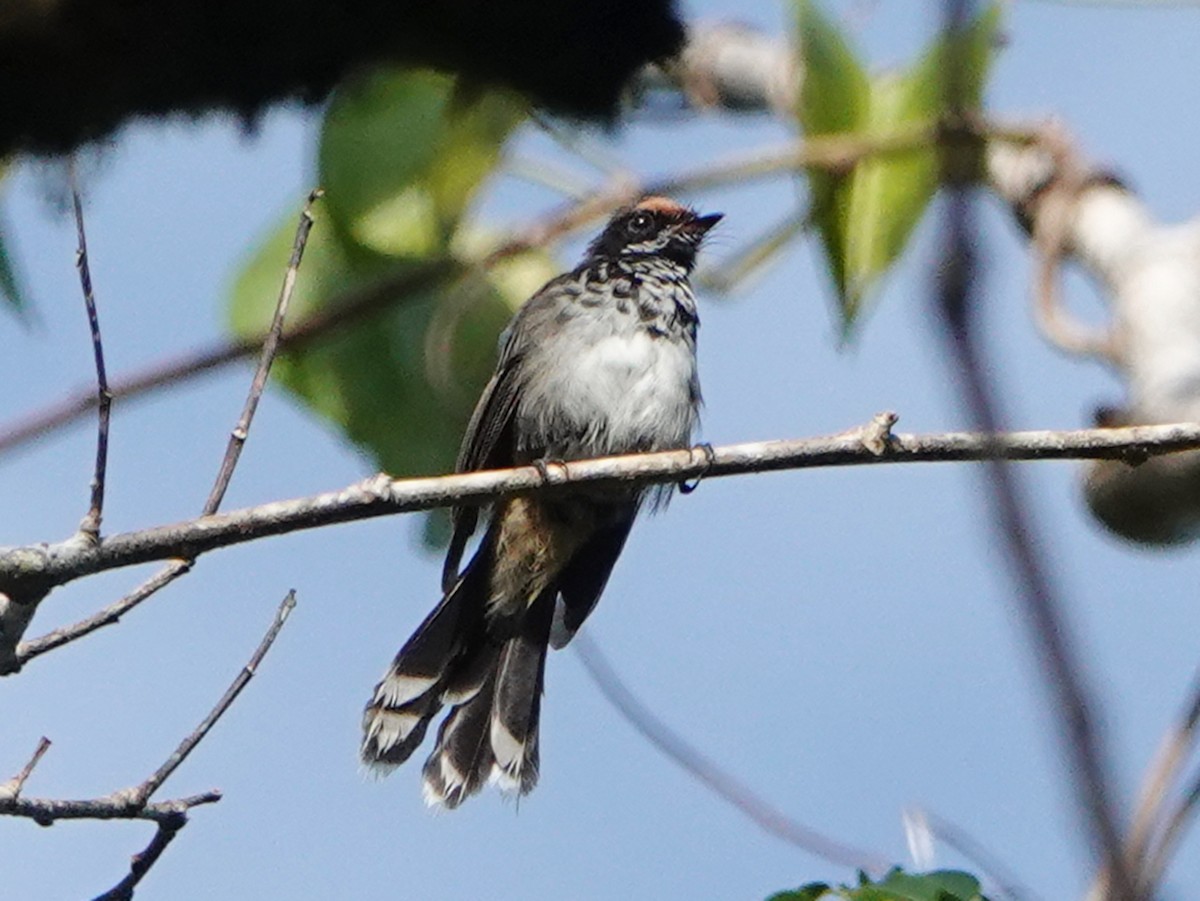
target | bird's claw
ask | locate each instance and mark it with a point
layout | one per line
(687, 486)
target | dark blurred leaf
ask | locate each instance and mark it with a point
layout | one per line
(810, 892)
(865, 217)
(12, 293)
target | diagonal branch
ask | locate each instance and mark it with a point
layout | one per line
(270, 347)
(180, 754)
(713, 777)
(141, 863)
(90, 527)
(32, 570)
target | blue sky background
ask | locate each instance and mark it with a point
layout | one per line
(845, 641)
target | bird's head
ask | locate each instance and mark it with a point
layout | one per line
(655, 226)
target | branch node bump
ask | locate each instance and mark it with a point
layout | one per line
(876, 435)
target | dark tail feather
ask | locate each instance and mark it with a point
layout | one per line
(462, 760)
(493, 734)
(439, 653)
(519, 681)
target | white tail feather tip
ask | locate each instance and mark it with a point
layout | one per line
(396, 690)
(388, 728)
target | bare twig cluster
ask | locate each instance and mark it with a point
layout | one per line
(135, 802)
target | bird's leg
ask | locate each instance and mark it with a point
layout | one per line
(543, 464)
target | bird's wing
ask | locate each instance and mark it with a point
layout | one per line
(487, 444)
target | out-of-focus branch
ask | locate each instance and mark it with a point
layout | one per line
(357, 304)
(1040, 603)
(933, 827)
(712, 776)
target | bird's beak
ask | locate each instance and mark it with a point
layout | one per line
(702, 224)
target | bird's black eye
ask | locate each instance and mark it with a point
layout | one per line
(640, 225)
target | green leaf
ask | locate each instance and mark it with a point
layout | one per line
(834, 98)
(940, 885)
(866, 217)
(399, 385)
(402, 153)
(835, 92)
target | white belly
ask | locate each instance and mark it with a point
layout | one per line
(620, 393)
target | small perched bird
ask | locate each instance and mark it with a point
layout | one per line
(602, 360)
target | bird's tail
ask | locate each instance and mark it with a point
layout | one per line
(490, 670)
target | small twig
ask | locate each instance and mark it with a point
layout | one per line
(713, 777)
(12, 788)
(1051, 223)
(141, 863)
(270, 346)
(90, 527)
(147, 789)
(134, 803)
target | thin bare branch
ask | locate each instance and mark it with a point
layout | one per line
(151, 785)
(12, 788)
(711, 775)
(110, 615)
(90, 527)
(1041, 606)
(121, 805)
(270, 346)
(33, 569)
